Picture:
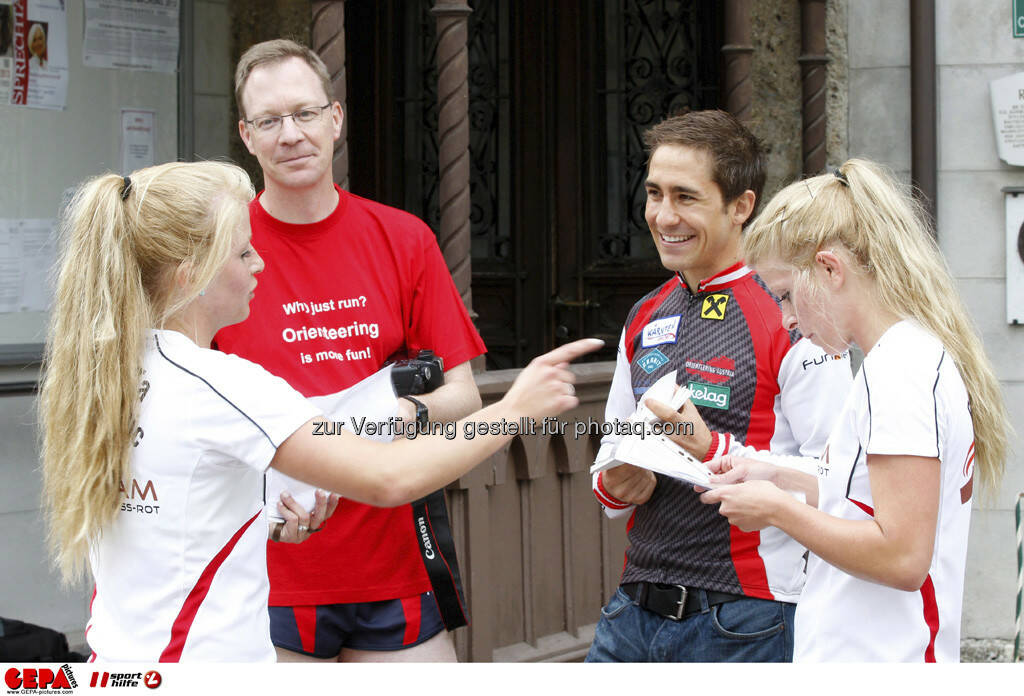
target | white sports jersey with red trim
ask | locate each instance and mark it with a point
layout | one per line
(907, 399)
(752, 382)
(181, 574)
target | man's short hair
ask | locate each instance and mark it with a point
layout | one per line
(275, 51)
(737, 157)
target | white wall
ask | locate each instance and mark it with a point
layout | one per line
(974, 46)
(45, 152)
(64, 148)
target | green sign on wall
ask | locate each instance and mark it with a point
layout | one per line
(1018, 19)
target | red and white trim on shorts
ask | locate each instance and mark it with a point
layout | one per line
(412, 609)
(305, 624)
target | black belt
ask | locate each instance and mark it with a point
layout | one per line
(673, 601)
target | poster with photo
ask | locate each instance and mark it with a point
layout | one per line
(6, 50)
(39, 73)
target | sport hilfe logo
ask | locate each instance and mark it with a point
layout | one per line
(39, 678)
(150, 679)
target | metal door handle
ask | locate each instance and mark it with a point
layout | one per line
(585, 304)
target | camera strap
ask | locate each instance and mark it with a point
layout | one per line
(437, 548)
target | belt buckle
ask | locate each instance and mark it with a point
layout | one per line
(681, 603)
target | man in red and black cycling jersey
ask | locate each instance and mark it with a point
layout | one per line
(695, 588)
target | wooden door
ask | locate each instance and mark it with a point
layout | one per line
(560, 94)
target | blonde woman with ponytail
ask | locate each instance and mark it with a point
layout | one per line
(886, 520)
(154, 446)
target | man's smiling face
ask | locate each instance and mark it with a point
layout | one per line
(696, 233)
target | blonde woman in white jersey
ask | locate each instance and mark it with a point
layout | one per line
(154, 446)
(886, 520)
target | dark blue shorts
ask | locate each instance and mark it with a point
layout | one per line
(322, 631)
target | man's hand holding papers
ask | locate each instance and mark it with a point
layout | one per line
(654, 450)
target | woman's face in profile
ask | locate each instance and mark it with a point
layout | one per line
(38, 43)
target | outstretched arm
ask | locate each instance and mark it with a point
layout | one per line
(456, 398)
(390, 474)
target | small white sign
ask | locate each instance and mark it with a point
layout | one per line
(138, 139)
(1008, 112)
(660, 331)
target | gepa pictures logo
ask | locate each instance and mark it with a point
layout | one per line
(39, 680)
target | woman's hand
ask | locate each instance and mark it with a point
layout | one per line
(731, 469)
(299, 524)
(545, 386)
(697, 444)
(750, 506)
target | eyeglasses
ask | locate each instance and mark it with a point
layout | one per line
(269, 124)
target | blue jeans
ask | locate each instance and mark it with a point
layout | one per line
(745, 630)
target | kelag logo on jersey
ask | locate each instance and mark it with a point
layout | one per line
(709, 395)
(661, 331)
(652, 361)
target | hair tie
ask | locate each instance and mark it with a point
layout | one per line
(126, 188)
(842, 177)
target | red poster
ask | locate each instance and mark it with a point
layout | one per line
(19, 82)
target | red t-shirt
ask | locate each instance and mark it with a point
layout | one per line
(337, 299)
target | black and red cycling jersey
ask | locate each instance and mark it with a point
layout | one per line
(754, 384)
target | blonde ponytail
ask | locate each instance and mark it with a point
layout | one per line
(873, 217)
(120, 249)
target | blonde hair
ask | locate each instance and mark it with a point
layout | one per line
(276, 51)
(121, 246)
(863, 210)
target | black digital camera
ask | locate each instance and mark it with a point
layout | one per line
(418, 375)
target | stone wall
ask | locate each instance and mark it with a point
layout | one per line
(777, 115)
(775, 35)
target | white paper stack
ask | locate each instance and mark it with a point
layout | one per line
(657, 452)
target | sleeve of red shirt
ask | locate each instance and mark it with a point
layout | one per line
(438, 320)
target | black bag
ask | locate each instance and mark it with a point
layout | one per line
(25, 642)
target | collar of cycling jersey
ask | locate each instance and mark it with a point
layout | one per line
(723, 279)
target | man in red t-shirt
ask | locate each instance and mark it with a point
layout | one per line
(349, 284)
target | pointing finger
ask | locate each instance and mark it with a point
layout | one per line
(571, 351)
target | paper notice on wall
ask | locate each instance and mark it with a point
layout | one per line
(10, 271)
(39, 54)
(138, 139)
(27, 255)
(131, 34)
(1008, 112)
